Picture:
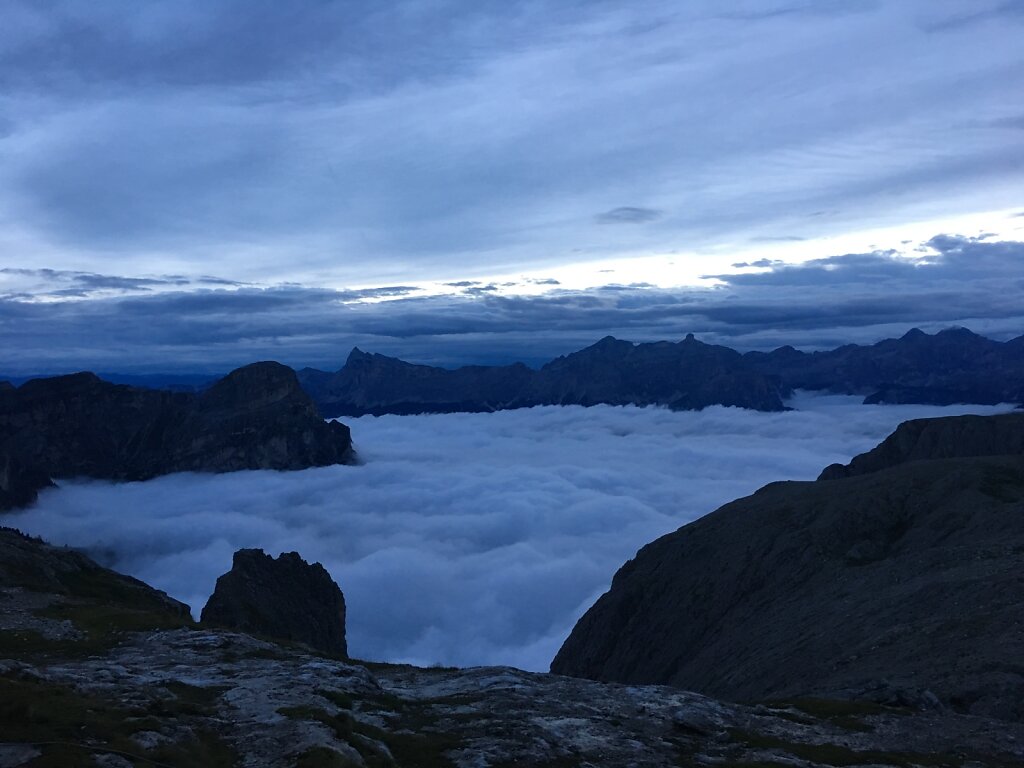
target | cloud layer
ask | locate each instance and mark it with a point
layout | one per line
(822, 303)
(466, 538)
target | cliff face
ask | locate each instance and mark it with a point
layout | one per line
(257, 417)
(904, 581)
(686, 375)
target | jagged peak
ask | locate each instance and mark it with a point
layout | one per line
(913, 334)
(357, 354)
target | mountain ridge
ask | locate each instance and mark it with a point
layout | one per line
(951, 366)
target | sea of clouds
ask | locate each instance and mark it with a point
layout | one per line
(466, 539)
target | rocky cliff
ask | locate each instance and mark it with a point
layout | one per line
(943, 438)
(100, 670)
(901, 583)
(686, 375)
(256, 417)
(285, 598)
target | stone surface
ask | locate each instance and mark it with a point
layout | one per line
(257, 417)
(899, 585)
(285, 598)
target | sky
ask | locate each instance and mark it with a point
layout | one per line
(466, 539)
(195, 185)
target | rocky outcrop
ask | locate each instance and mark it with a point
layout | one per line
(943, 438)
(93, 682)
(688, 375)
(31, 564)
(256, 417)
(284, 598)
(904, 582)
(951, 366)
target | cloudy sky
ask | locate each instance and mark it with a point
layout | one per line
(196, 184)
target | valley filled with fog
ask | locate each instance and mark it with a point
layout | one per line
(466, 539)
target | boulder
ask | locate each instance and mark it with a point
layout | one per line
(284, 598)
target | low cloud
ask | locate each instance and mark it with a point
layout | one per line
(629, 215)
(467, 538)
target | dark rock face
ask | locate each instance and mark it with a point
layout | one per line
(687, 375)
(286, 598)
(897, 585)
(943, 438)
(256, 417)
(952, 366)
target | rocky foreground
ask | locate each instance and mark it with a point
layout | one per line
(97, 669)
(257, 417)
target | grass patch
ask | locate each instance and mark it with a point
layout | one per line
(834, 754)
(842, 713)
(340, 699)
(419, 749)
(322, 757)
(71, 728)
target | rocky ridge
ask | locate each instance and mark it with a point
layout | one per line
(257, 417)
(686, 375)
(93, 675)
(284, 597)
(897, 581)
(951, 366)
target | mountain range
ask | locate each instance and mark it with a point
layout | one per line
(951, 366)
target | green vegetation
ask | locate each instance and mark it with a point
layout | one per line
(841, 713)
(834, 754)
(70, 728)
(340, 699)
(408, 748)
(322, 757)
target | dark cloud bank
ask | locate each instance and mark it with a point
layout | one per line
(826, 302)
